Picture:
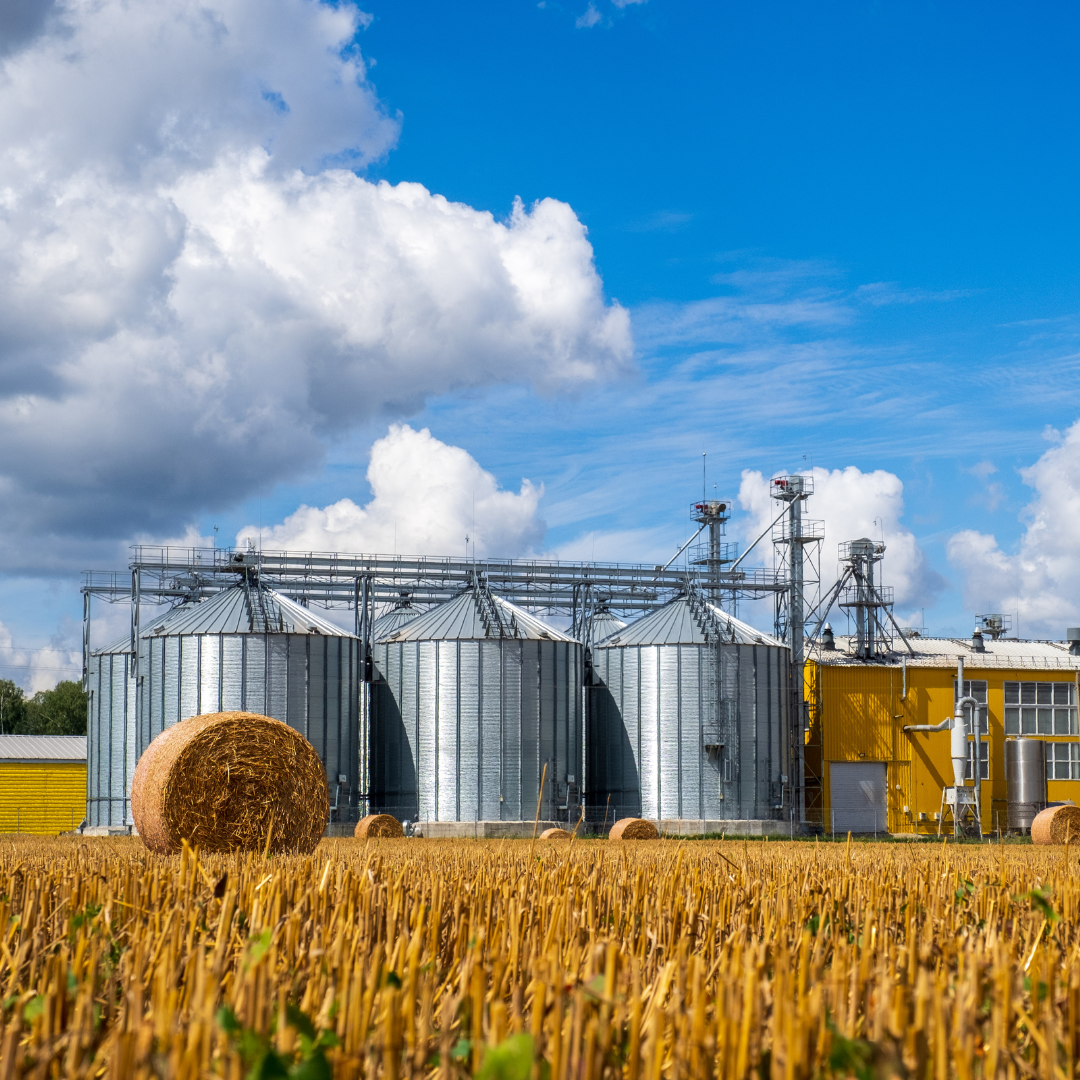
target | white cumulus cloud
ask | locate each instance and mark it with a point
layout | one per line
(196, 289)
(427, 497)
(1041, 581)
(852, 504)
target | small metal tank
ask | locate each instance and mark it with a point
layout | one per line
(1025, 782)
(468, 704)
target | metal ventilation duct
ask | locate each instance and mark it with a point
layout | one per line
(469, 703)
(688, 716)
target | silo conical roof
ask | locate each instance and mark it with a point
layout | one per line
(123, 645)
(246, 609)
(401, 613)
(676, 624)
(465, 618)
(604, 623)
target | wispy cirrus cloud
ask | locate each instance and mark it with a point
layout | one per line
(884, 293)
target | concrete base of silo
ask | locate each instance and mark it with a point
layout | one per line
(108, 830)
(339, 829)
(730, 827)
(485, 830)
(523, 830)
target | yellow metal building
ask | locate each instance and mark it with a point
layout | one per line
(865, 773)
(42, 783)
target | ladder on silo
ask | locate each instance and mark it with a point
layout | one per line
(490, 615)
(716, 734)
(256, 610)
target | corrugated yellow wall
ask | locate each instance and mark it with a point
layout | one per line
(45, 799)
(862, 715)
(860, 718)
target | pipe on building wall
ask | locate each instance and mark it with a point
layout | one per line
(955, 724)
(947, 722)
(958, 743)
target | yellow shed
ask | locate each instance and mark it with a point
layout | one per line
(866, 773)
(42, 783)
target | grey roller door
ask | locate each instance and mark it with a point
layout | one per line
(858, 797)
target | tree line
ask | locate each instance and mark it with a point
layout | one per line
(59, 711)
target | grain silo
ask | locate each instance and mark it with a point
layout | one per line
(689, 719)
(394, 619)
(250, 648)
(470, 703)
(401, 613)
(603, 623)
(111, 730)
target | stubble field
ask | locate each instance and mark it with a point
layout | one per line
(549, 960)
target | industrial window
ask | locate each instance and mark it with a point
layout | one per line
(984, 761)
(975, 688)
(1044, 708)
(1062, 761)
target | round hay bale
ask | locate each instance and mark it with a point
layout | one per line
(555, 834)
(633, 828)
(227, 782)
(1056, 824)
(378, 825)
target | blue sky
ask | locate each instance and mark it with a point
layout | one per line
(908, 171)
(845, 235)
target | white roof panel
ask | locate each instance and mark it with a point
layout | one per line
(37, 748)
(943, 652)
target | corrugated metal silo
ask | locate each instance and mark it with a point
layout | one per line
(470, 702)
(111, 731)
(401, 613)
(250, 648)
(688, 718)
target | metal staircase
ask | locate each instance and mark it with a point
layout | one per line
(490, 613)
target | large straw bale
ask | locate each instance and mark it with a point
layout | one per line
(1056, 825)
(227, 782)
(633, 828)
(377, 825)
(555, 834)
